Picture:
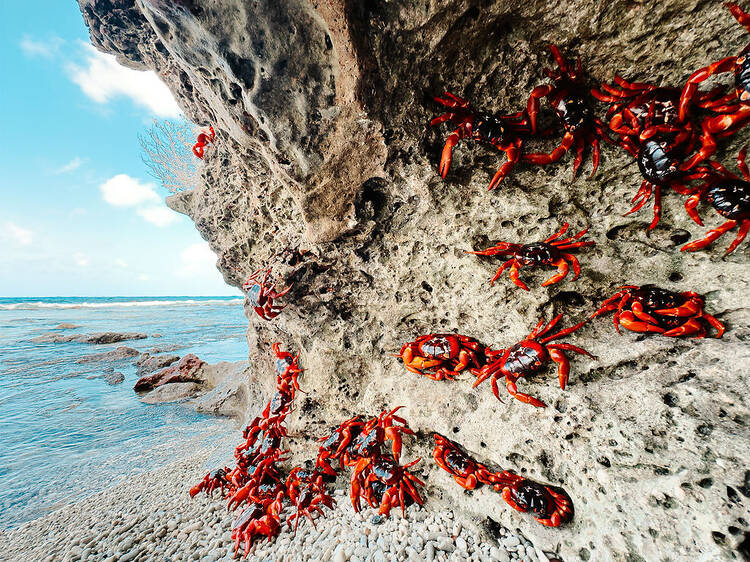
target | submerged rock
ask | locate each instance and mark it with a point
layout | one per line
(114, 377)
(99, 338)
(117, 354)
(321, 112)
(66, 326)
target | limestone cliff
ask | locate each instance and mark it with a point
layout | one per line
(321, 110)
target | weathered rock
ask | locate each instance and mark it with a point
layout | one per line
(189, 369)
(148, 363)
(327, 148)
(66, 326)
(172, 393)
(114, 377)
(117, 354)
(231, 395)
(99, 338)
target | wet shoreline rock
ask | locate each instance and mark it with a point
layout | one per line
(148, 363)
(117, 354)
(187, 370)
(100, 338)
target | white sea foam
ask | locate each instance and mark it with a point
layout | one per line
(65, 305)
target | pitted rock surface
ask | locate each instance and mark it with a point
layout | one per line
(321, 111)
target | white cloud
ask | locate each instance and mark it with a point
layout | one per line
(197, 259)
(159, 216)
(103, 78)
(36, 48)
(19, 235)
(70, 166)
(143, 277)
(124, 191)
(119, 262)
(81, 259)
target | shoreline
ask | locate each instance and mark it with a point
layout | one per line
(150, 516)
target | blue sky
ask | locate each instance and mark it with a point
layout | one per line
(79, 213)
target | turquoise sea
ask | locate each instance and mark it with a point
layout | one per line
(64, 431)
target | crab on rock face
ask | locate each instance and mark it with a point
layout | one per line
(203, 140)
(730, 112)
(569, 97)
(504, 132)
(550, 505)
(262, 296)
(397, 479)
(467, 472)
(730, 197)
(549, 252)
(442, 356)
(646, 121)
(652, 309)
(528, 357)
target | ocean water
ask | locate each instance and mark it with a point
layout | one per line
(64, 431)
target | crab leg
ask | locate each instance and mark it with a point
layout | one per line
(544, 159)
(563, 365)
(692, 326)
(574, 262)
(714, 234)
(447, 156)
(562, 271)
(744, 228)
(628, 320)
(510, 385)
(718, 326)
(514, 270)
(532, 107)
(513, 154)
(724, 65)
(563, 230)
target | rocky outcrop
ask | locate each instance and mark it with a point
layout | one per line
(99, 338)
(187, 370)
(148, 363)
(117, 354)
(321, 112)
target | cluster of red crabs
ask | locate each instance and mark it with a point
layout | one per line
(370, 447)
(671, 132)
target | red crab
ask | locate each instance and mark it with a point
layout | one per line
(262, 296)
(465, 470)
(387, 426)
(287, 370)
(732, 111)
(529, 356)
(203, 140)
(308, 494)
(335, 445)
(730, 197)
(537, 254)
(550, 505)
(396, 478)
(646, 121)
(257, 520)
(214, 479)
(504, 132)
(568, 95)
(652, 309)
(442, 356)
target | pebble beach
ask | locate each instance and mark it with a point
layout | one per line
(152, 517)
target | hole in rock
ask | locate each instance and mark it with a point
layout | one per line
(675, 276)
(680, 237)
